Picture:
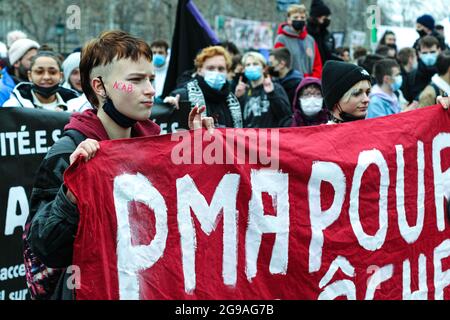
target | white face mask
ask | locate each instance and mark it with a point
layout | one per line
(311, 106)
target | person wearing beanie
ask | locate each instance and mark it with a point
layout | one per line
(425, 26)
(294, 36)
(308, 106)
(13, 36)
(44, 90)
(20, 54)
(317, 27)
(72, 80)
(71, 69)
(346, 90)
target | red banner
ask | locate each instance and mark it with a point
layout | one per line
(354, 211)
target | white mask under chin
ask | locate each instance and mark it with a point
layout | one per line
(311, 106)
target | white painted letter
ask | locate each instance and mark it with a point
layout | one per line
(366, 158)
(16, 196)
(276, 184)
(441, 278)
(441, 179)
(378, 277)
(410, 234)
(320, 220)
(422, 293)
(224, 200)
(132, 259)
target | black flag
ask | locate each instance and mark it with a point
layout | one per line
(192, 34)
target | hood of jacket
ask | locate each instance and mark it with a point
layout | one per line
(377, 92)
(91, 127)
(287, 30)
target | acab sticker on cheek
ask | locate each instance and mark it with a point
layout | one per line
(121, 86)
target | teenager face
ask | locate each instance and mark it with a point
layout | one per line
(295, 17)
(389, 80)
(45, 72)
(75, 79)
(129, 86)
(359, 100)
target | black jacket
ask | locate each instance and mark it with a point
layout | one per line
(290, 83)
(408, 85)
(53, 217)
(216, 102)
(324, 39)
(422, 79)
(266, 110)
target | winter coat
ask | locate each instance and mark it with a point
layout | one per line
(218, 104)
(305, 54)
(266, 110)
(381, 104)
(325, 41)
(22, 96)
(290, 83)
(7, 85)
(422, 79)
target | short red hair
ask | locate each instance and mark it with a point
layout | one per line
(210, 52)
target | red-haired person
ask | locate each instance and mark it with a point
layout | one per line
(211, 88)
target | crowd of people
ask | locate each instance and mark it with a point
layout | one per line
(112, 83)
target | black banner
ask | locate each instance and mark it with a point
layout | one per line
(25, 137)
(170, 119)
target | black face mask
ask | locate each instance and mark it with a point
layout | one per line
(46, 92)
(298, 25)
(421, 33)
(272, 72)
(325, 24)
(347, 117)
(111, 110)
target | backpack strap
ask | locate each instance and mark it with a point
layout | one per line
(76, 136)
(437, 90)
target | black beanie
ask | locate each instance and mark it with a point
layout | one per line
(319, 9)
(337, 78)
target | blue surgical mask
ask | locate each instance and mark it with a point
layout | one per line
(159, 60)
(429, 59)
(398, 81)
(253, 73)
(215, 79)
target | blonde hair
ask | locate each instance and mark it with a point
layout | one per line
(358, 86)
(255, 55)
(210, 52)
(296, 8)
